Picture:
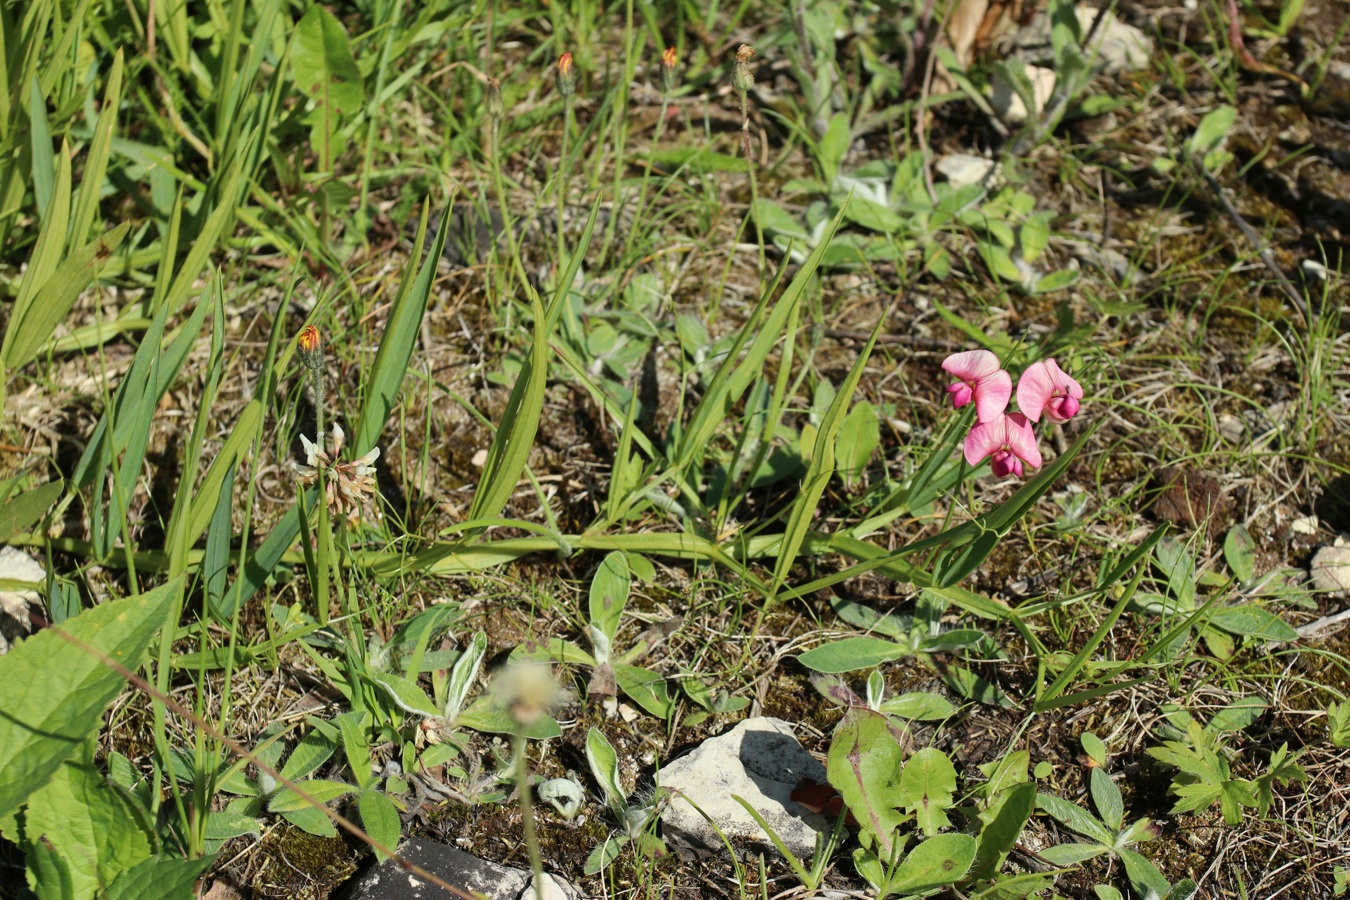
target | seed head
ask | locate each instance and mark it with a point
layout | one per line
(567, 76)
(527, 690)
(742, 79)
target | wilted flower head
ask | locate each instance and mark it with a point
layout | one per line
(347, 484)
(982, 380)
(527, 689)
(742, 79)
(567, 76)
(1045, 388)
(670, 75)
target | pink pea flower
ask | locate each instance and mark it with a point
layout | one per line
(982, 379)
(1008, 441)
(1045, 388)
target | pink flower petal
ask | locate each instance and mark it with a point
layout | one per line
(992, 395)
(983, 440)
(971, 365)
(1021, 440)
(1046, 389)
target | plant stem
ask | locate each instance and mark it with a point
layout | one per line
(527, 813)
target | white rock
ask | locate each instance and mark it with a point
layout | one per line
(15, 565)
(1009, 105)
(961, 169)
(1304, 525)
(759, 760)
(1119, 47)
(1331, 570)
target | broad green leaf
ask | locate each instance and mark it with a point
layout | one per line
(604, 763)
(927, 784)
(851, 654)
(937, 862)
(1003, 827)
(312, 821)
(1106, 797)
(313, 750)
(834, 145)
(159, 878)
(1250, 620)
(773, 218)
(89, 823)
(96, 155)
(324, 68)
(609, 593)
(866, 618)
(1095, 749)
(863, 765)
(379, 817)
(605, 853)
(646, 688)
(1239, 551)
(973, 687)
(1144, 875)
(21, 512)
(1072, 854)
(920, 706)
(53, 691)
(1212, 131)
(319, 790)
(859, 438)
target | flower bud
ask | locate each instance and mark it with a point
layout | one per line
(309, 346)
(494, 98)
(742, 79)
(670, 73)
(567, 76)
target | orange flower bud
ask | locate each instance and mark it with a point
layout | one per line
(309, 345)
(567, 76)
(670, 77)
(742, 79)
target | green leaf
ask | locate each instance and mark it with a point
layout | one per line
(324, 69)
(1095, 749)
(850, 654)
(927, 784)
(1250, 620)
(379, 817)
(1212, 131)
(604, 764)
(863, 764)
(646, 688)
(605, 853)
(406, 694)
(89, 823)
(1237, 715)
(937, 862)
(920, 706)
(1075, 817)
(1106, 797)
(1072, 854)
(609, 593)
(320, 791)
(1239, 550)
(159, 878)
(834, 145)
(313, 750)
(20, 513)
(463, 675)
(401, 332)
(776, 220)
(1143, 874)
(1003, 827)
(50, 872)
(53, 691)
(859, 438)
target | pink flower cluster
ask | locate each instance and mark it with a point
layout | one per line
(1004, 438)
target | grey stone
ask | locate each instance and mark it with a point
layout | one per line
(1118, 46)
(1331, 570)
(390, 881)
(759, 760)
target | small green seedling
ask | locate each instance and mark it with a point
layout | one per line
(635, 819)
(1204, 772)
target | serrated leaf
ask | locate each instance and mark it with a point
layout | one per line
(927, 784)
(863, 765)
(53, 691)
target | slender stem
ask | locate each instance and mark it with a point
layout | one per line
(527, 813)
(564, 174)
(651, 154)
(754, 186)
